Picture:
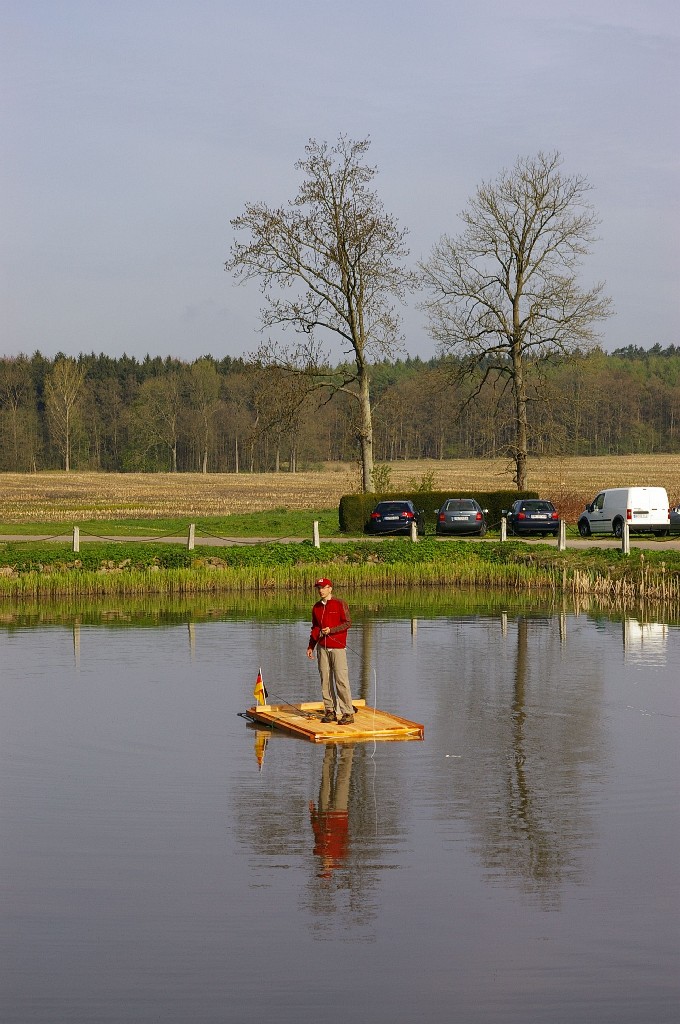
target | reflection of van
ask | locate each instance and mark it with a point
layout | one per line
(645, 509)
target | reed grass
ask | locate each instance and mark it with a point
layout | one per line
(383, 567)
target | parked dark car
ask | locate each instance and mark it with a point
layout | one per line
(532, 515)
(675, 519)
(395, 517)
(461, 515)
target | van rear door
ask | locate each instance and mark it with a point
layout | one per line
(648, 508)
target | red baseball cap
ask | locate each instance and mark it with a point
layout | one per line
(323, 582)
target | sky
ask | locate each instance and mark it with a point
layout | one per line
(133, 131)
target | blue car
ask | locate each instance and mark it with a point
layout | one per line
(395, 517)
(532, 515)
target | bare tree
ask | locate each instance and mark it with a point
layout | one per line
(62, 393)
(329, 262)
(505, 294)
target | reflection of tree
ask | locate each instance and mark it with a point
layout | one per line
(540, 831)
(528, 736)
(536, 847)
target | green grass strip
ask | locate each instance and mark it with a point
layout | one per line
(51, 569)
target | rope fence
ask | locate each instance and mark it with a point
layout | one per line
(193, 536)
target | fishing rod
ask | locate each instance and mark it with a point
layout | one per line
(352, 650)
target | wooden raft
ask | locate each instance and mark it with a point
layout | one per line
(305, 720)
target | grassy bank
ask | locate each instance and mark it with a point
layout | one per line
(51, 569)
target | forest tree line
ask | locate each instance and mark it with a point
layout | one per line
(232, 415)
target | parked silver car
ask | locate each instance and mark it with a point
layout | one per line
(462, 516)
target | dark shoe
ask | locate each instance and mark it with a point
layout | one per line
(329, 716)
(346, 720)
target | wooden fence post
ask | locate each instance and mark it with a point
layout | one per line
(192, 536)
(76, 538)
(317, 543)
(562, 536)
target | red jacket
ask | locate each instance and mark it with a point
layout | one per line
(333, 613)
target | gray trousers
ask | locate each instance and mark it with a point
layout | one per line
(334, 673)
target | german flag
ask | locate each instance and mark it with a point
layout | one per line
(260, 692)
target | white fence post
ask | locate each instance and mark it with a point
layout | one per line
(76, 538)
(192, 536)
(504, 529)
(625, 539)
(317, 542)
(562, 536)
(414, 532)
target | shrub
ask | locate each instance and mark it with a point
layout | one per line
(355, 509)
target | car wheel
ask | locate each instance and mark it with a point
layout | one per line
(618, 528)
(482, 530)
(584, 528)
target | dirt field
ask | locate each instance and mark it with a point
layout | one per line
(67, 497)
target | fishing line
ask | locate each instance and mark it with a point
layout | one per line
(375, 747)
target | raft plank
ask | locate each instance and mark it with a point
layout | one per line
(305, 720)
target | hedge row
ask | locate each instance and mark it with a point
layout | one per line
(355, 509)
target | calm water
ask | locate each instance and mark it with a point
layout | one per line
(159, 862)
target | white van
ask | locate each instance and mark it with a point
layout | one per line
(645, 509)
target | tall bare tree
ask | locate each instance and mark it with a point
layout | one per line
(63, 393)
(504, 294)
(330, 262)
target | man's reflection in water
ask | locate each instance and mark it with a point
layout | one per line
(330, 820)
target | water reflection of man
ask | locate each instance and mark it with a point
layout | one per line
(330, 821)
